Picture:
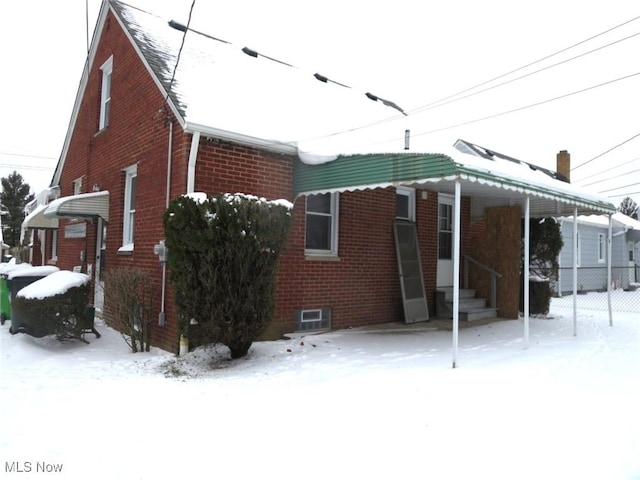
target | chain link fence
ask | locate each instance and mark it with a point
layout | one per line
(592, 288)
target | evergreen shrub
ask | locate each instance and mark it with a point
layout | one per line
(222, 258)
(545, 244)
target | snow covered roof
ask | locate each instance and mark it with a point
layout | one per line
(235, 93)
(620, 220)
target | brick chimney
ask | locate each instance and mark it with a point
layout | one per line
(563, 164)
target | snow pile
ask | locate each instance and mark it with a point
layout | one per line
(55, 283)
(369, 403)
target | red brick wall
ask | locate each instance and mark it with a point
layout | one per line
(138, 134)
(362, 287)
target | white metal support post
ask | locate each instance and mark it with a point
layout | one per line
(527, 240)
(456, 271)
(609, 244)
(575, 271)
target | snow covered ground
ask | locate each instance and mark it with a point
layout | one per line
(362, 403)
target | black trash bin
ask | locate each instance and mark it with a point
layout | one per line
(19, 279)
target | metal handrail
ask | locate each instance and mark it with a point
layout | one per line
(494, 276)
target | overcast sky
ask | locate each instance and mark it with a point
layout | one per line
(409, 52)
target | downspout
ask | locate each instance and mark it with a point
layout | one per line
(162, 314)
(193, 155)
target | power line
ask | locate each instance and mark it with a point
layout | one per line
(634, 184)
(633, 160)
(514, 110)
(528, 65)
(610, 178)
(184, 36)
(451, 98)
(628, 194)
(26, 167)
(607, 151)
(26, 156)
(436, 104)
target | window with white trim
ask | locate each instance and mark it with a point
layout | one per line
(602, 248)
(77, 186)
(105, 95)
(445, 231)
(321, 231)
(406, 203)
(130, 188)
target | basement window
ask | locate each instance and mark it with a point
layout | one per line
(313, 319)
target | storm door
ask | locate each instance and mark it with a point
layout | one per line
(410, 269)
(446, 212)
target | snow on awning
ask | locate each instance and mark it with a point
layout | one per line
(88, 205)
(37, 220)
(489, 183)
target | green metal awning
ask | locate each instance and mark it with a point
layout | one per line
(489, 182)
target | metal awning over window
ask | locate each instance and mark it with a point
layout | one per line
(37, 220)
(85, 205)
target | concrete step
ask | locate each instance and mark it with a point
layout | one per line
(464, 293)
(477, 314)
(469, 303)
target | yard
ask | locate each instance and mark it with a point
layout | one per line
(360, 403)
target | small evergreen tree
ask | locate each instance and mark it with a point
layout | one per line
(629, 207)
(222, 259)
(545, 244)
(14, 197)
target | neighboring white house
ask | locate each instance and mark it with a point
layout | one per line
(592, 253)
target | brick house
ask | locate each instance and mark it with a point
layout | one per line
(142, 133)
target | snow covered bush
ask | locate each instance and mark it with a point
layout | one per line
(128, 306)
(222, 258)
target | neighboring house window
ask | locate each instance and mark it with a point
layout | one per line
(321, 233)
(131, 175)
(631, 252)
(77, 186)
(445, 231)
(406, 203)
(105, 97)
(601, 248)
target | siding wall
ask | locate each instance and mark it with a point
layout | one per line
(592, 274)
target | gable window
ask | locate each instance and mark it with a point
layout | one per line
(321, 232)
(130, 188)
(601, 248)
(105, 96)
(77, 186)
(406, 204)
